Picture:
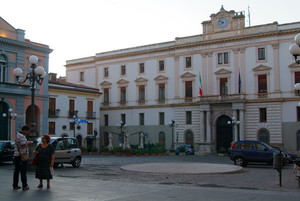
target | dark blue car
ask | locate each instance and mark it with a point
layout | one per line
(6, 151)
(243, 152)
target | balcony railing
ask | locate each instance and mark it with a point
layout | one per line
(91, 115)
(72, 113)
(53, 113)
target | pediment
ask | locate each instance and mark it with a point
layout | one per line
(223, 72)
(6, 30)
(294, 65)
(105, 83)
(188, 75)
(262, 68)
(141, 79)
(122, 81)
(160, 77)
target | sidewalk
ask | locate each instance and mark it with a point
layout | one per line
(80, 189)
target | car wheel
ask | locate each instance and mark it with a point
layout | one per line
(240, 161)
(76, 163)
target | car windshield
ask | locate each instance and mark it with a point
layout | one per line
(1, 144)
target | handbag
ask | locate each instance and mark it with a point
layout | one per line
(35, 159)
(25, 156)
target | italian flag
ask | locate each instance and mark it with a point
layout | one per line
(200, 85)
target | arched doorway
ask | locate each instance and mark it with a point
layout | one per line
(3, 121)
(263, 135)
(36, 119)
(224, 134)
(162, 139)
(189, 138)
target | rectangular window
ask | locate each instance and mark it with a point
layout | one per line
(51, 128)
(71, 108)
(106, 120)
(106, 96)
(142, 68)
(52, 107)
(188, 89)
(263, 114)
(123, 118)
(90, 128)
(161, 91)
(223, 86)
(123, 70)
(141, 117)
(262, 83)
(223, 58)
(188, 62)
(90, 110)
(123, 95)
(106, 72)
(161, 66)
(297, 77)
(188, 117)
(161, 118)
(142, 93)
(81, 76)
(261, 54)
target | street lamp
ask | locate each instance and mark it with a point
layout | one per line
(234, 123)
(295, 48)
(36, 75)
(10, 116)
(76, 123)
(173, 124)
(121, 126)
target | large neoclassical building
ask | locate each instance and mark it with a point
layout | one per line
(230, 82)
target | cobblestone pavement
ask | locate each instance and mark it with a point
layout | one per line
(107, 168)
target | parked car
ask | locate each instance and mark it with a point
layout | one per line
(185, 148)
(289, 157)
(68, 153)
(243, 152)
(6, 151)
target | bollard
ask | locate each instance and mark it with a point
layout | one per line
(278, 164)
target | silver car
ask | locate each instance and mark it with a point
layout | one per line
(66, 151)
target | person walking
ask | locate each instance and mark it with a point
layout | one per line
(21, 166)
(45, 162)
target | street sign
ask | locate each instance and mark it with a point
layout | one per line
(146, 134)
(83, 121)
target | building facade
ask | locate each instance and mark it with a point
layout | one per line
(230, 82)
(14, 98)
(69, 103)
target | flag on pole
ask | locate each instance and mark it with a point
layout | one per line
(240, 83)
(200, 85)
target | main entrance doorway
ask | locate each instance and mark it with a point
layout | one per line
(224, 134)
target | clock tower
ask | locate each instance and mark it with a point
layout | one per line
(224, 21)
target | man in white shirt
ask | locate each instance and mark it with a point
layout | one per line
(21, 166)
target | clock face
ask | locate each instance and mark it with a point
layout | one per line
(222, 22)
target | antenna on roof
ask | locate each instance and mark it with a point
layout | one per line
(249, 16)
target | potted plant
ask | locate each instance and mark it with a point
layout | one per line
(104, 150)
(126, 152)
(139, 152)
(117, 151)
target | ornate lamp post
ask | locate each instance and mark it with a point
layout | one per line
(121, 126)
(36, 75)
(76, 123)
(295, 48)
(173, 124)
(234, 123)
(10, 116)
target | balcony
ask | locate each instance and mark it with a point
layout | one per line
(53, 113)
(72, 113)
(161, 101)
(91, 115)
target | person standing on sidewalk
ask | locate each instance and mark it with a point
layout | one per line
(21, 166)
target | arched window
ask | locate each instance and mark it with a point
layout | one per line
(298, 140)
(3, 68)
(263, 136)
(189, 138)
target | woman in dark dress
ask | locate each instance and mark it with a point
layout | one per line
(45, 163)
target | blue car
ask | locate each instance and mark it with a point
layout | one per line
(186, 148)
(243, 152)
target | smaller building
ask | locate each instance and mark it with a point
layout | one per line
(69, 103)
